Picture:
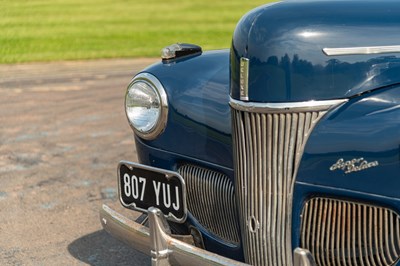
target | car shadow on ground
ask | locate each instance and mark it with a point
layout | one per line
(99, 248)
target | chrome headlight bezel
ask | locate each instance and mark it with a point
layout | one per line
(161, 121)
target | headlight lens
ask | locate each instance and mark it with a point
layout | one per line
(146, 106)
(142, 106)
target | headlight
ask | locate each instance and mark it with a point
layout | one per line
(146, 106)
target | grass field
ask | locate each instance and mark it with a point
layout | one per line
(49, 30)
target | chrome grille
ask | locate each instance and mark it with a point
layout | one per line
(211, 200)
(341, 232)
(268, 146)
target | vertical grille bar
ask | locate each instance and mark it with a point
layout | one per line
(268, 146)
(211, 200)
(365, 234)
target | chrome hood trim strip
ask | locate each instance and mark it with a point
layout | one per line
(291, 107)
(362, 50)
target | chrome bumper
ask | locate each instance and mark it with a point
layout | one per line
(164, 249)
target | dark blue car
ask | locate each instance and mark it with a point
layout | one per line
(282, 150)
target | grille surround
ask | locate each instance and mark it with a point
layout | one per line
(276, 133)
(355, 242)
(211, 201)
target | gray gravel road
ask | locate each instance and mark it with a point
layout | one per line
(63, 131)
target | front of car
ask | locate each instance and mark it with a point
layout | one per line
(288, 143)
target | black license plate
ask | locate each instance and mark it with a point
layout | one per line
(142, 187)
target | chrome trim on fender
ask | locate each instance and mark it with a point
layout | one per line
(177, 50)
(153, 82)
(362, 50)
(289, 107)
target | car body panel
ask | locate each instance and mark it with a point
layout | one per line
(366, 127)
(285, 49)
(199, 122)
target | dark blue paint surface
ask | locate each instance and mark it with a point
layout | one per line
(199, 121)
(284, 43)
(366, 127)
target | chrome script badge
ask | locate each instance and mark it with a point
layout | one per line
(353, 165)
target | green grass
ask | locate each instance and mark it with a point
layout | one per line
(49, 30)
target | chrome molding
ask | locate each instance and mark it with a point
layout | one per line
(244, 79)
(292, 107)
(269, 141)
(362, 50)
(211, 200)
(340, 232)
(154, 83)
(177, 50)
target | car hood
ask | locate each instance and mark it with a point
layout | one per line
(285, 44)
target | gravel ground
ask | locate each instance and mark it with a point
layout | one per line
(63, 131)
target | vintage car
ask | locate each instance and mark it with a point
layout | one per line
(282, 150)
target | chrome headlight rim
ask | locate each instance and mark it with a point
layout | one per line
(158, 88)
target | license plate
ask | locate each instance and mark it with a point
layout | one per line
(142, 187)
